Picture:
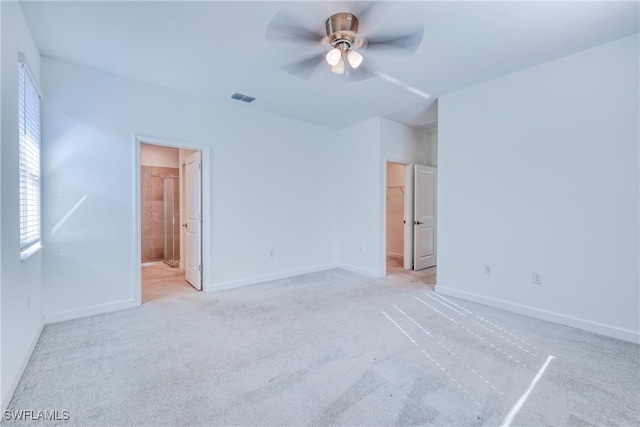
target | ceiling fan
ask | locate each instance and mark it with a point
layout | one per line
(342, 48)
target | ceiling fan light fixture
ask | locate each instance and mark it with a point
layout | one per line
(354, 58)
(339, 67)
(341, 37)
(334, 56)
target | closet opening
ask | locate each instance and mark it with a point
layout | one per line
(396, 191)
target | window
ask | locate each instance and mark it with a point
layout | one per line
(29, 149)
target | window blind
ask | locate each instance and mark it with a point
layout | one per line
(29, 157)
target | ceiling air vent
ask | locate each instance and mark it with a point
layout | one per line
(241, 97)
(431, 124)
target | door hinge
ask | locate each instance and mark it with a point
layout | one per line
(200, 267)
(200, 216)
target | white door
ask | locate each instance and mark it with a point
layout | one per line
(424, 240)
(193, 247)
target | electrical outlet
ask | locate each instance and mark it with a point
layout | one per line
(487, 269)
(536, 278)
(28, 301)
(272, 253)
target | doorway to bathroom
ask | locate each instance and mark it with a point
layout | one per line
(170, 220)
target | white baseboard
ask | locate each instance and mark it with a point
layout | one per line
(395, 255)
(584, 324)
(6, 399)
(89, 311)
(231, 284)
(363, 271)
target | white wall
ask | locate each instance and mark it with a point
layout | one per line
(20, 326)
(539, 172)
(395, 209)
(362, 155)
(358, 172)
(156, 155)
(433, 158)
(269, 186)
(2, 398)
(402, 144)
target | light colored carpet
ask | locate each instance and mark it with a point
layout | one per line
(329, 348)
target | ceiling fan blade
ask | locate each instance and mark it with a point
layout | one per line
(305, 67)
(404, 42)
(284, 27)
(361, 73)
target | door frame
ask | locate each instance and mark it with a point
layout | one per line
(206, 208)
(408, 214)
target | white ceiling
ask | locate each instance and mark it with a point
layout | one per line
(215, 48)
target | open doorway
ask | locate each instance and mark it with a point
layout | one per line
(396, 190)
(411, 222)
(170, 215)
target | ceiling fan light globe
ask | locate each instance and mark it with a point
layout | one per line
(338, 68)
(333, 57)
(355, 59)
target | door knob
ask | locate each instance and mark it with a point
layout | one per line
(184, 225)
(418, 222)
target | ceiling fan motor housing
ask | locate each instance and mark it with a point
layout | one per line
(342, 29)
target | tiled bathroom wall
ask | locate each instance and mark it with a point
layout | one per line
(172, 221)
(153, 211)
